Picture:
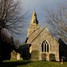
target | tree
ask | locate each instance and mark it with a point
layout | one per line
(11, 15)
(58, 20)
(17, 43)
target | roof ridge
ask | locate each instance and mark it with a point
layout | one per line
(33, 32)
(37, 35)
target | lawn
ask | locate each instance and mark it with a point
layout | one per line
(32, 64)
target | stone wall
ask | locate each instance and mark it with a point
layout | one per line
(36, 36)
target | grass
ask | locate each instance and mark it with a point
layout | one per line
(32, 64)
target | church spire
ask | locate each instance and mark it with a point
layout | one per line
(34, 20)
(33, 24)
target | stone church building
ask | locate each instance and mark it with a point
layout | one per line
(42, 41)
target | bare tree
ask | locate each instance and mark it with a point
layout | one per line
(11, 15)
(58, 20)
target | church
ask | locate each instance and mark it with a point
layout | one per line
(43, 45)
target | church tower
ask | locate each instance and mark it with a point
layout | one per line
(34, 24)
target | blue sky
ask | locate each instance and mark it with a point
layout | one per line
(39, 6)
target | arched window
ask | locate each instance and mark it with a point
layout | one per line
(45, 46)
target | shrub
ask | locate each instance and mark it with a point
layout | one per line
(52, 57)
(35, 55)
(43, 56)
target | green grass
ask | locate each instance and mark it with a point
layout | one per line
(32, 64)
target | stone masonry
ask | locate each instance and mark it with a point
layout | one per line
(42, 40)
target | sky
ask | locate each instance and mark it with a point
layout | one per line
(39, 6)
